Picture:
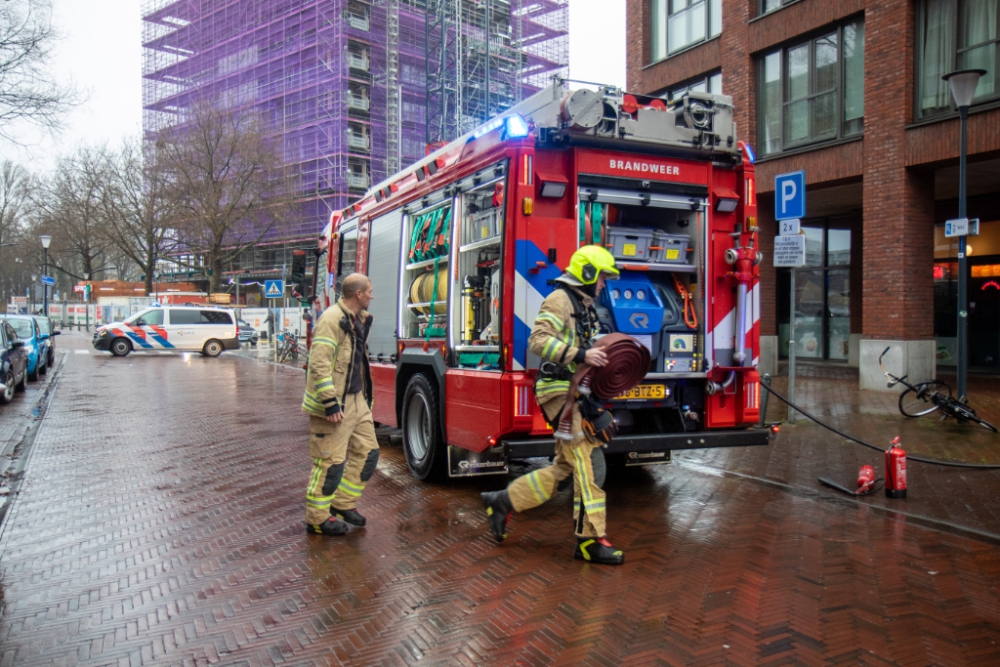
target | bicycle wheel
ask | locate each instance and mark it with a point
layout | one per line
(919, 400)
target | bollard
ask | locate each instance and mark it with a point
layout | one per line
(766, 380)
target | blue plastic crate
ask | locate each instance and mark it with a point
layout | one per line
(635, 304)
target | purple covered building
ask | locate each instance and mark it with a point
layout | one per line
(356, 89)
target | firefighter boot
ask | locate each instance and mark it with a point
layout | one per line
(598, 550)
(330, 528)
(350, 516)
(498, 509)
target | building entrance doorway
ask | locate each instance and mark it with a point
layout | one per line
(822, 294)
(984, 297)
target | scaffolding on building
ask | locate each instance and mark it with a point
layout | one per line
(348, 85)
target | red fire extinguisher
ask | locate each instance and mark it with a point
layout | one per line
(866, 479)
(895, 470)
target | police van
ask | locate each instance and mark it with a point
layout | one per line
(184, 329)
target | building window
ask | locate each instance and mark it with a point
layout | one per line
(953, 35)
(813, 91)
(772, 5)
(678, 24)
(711, 83)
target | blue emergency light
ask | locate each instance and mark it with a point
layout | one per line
(516, 127)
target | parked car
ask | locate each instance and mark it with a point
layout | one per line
(206, 330)
(247, 333)
(13, 363)
(37, 349)
(48, 333)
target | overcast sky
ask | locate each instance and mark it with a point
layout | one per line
(101, 53)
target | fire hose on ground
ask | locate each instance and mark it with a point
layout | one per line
(921, 459)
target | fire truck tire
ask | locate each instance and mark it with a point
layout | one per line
(423, 442)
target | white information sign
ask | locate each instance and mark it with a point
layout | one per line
(961, 227)
(788, 227)
(790, 251)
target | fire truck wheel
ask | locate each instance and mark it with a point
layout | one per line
(423, 443)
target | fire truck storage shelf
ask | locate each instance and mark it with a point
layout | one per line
(426, 263)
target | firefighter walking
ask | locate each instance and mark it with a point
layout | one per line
(338, 399)
(563, 330)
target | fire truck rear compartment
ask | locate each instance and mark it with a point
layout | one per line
(657, 299)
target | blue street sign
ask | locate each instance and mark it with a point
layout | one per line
(790, 195)
(274, 289)
(48, 280)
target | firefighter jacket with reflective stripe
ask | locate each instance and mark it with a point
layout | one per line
(331, 361)
(557, 339)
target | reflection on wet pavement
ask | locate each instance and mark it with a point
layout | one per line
(160, 523)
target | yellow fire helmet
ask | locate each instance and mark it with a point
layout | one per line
(589, 262)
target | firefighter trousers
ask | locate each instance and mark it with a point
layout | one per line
(572, 458)
(343, 456)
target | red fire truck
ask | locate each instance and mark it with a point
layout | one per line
(462, 248)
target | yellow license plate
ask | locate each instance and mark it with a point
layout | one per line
(644, 391)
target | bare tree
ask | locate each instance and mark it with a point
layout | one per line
(71, 209)
(13, 200)
(139, 206)
(227, 182)
(14, 212)
(26, 90)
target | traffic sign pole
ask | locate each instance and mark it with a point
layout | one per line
(963, 271)
(790, 252)
(791, 351)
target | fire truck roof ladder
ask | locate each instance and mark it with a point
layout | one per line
(698, 124)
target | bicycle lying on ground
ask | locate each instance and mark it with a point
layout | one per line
(923, 398)
(289, 349)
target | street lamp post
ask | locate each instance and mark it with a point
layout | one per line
(86, 300)
(46, 240)
(963, 88)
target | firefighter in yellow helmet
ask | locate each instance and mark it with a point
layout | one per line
(564, 329)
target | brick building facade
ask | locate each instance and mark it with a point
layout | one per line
(850, 92)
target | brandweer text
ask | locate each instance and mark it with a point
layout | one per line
(646, 168)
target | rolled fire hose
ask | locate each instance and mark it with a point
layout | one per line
(628, 363)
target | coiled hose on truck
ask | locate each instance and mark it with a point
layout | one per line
(628, 363)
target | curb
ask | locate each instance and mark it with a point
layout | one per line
(270, 362)
(811, 494)
(27, 441)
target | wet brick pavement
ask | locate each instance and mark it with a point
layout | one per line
(944, 496)
(159, 523)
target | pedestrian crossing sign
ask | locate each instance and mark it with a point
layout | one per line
(274, 289)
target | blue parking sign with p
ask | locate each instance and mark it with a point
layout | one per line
(790, 196)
